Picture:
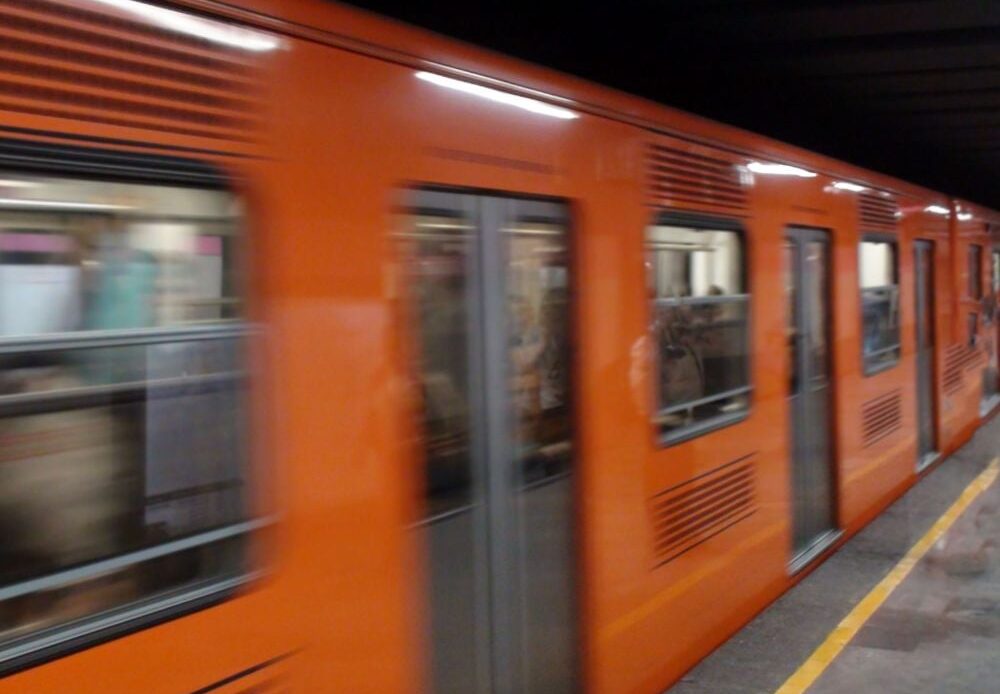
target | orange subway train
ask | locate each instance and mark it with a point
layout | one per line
(337, 356)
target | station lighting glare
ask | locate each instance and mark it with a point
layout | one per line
(207, 29)
(937, 209)
(759, 167)
(846, 185)
(965, 216)
(16, 183)
(522, 102)
(61, 205)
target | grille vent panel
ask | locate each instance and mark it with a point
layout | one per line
(60, 60)
(690, 513)
(878, 211)
(952, 376)
(680, 178)
(957, 360)
(973, 360)
(881, 417)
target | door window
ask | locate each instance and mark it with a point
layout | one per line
(438, 248)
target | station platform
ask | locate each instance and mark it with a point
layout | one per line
(910, 604)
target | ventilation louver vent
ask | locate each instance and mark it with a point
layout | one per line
(685, 179)
(881, 417)
(952, 376)
(694, 511)
(972, 359)
(878, 211)
(62, 60)
(958, 359)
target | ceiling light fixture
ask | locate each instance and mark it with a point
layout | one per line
(937, 209)
(522, 102)
(846, 185)
(207, 29)
(759, 167)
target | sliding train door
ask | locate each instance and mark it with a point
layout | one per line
(807, 255)
(488, 280)
(923, 264)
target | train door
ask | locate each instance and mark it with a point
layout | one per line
(489, 281)
(808, 289)
(923, 257)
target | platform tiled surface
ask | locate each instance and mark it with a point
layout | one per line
(938, 632)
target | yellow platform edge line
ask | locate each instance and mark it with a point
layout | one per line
(849, 626)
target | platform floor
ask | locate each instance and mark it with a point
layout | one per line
(862, 623)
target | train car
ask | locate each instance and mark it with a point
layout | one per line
(338, 356)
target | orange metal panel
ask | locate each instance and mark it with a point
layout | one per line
(342, 131)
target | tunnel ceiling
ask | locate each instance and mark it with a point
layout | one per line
(908, 88)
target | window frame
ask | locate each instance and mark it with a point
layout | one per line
(867, 368)
(140, 612)
(700, 222)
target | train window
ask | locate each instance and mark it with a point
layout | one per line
(879, 275)
(972, 326)
(996, 274)
(700, 311)
(976, 271)
(123, 455)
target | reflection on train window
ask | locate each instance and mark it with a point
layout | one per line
(700, 327)
(437, 252)
(538, 345)
(879, 277)
(790, 258)
(976, 271)
(123, 457)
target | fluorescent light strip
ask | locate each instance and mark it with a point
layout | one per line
(759, 167)
(61, 204)
(965, 216)
(937, 209)
(210, 30)
(846, 185)
(522, 102)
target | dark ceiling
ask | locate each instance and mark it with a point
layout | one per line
(907, 87)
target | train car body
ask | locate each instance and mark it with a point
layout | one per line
(549, 387)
